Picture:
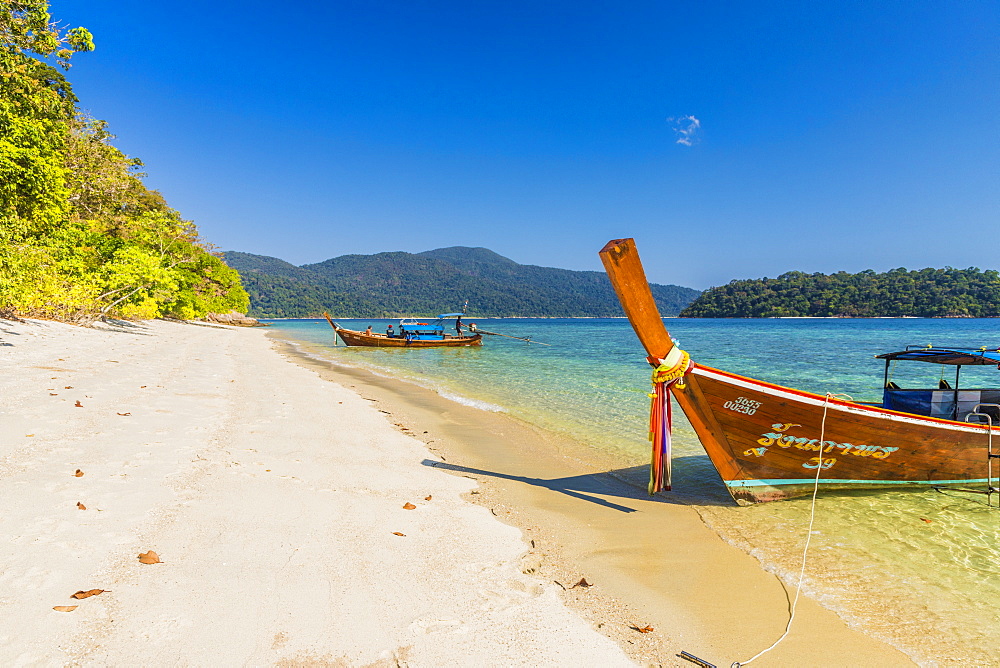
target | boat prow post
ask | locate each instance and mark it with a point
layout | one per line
(671, 364)
(628, 278)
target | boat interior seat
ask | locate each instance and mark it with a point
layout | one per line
(891, 386)
(944, 385)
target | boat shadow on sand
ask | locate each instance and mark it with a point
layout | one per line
(695, 483)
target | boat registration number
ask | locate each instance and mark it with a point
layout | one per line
(743, 405)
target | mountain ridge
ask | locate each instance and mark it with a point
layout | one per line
(398, 283)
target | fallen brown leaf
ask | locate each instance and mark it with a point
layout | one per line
(53, 394)
(79, 473)
(926, 520)
(408, 506)
(582, 583)
(68, 387)
(80, 506)
(64, 608)
(396, 533)
(644, 629)
(87, 594)
(427, 498)
(78, 404)
(29, 435)
(149, 558)
(141, 387)
(124, 413)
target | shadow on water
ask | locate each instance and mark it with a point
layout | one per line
(695, 482)
(691, 487)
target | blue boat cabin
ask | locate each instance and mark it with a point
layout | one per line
(947, 401)
(415, 330)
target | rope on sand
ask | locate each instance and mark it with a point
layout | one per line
(805, 551)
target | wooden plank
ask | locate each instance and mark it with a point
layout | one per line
(621, 261)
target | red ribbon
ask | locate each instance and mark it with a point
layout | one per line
(660, 429)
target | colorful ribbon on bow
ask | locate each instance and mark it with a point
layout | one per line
(669, 371)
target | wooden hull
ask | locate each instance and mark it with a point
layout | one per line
(352, 338)
(764, 440)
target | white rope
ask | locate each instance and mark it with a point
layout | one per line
(805, 551)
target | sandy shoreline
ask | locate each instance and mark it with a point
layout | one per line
(652, 562)
(273, 487)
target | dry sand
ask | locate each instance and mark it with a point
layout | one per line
(273, 499)
(271, 487)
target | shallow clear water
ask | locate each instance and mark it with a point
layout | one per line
(931, 587)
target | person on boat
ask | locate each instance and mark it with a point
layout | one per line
(368, 332)
(389, 332)
(458, 325)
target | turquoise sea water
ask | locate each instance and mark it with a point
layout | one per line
(919, 569)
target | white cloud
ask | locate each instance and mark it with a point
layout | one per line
(686, 128)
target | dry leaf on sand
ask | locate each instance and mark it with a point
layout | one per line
(149, 558)
(80, 506)
(78, 404)
(644, 629)
(582, 583)
(427, 498)
(408, 506)
(396, 533)
(68, 387)
(87, 594)
(64, 608)
(124, 413)
(78, 474)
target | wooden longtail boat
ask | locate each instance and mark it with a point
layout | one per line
(411, 334)
(770, 442)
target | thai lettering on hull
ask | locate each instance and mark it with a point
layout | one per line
(779, 438)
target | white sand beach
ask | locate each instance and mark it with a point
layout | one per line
(275, 501)
(305, 516)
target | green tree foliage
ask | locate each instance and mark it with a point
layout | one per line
(81, 237)
(396, 284)
(926, 293)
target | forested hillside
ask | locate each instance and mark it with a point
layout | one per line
(81, 237)
(395, 284)
(927, 293)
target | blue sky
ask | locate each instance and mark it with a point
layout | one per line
(830, 135)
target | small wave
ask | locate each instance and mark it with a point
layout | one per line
(474, 403)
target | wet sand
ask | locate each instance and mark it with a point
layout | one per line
(651, 562)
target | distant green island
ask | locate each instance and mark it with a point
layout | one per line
(925, 293)
(437, 281)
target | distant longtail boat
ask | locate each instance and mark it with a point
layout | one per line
(770, 442)
(412, 333)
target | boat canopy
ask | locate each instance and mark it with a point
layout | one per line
(954, 356)
(451, 315)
